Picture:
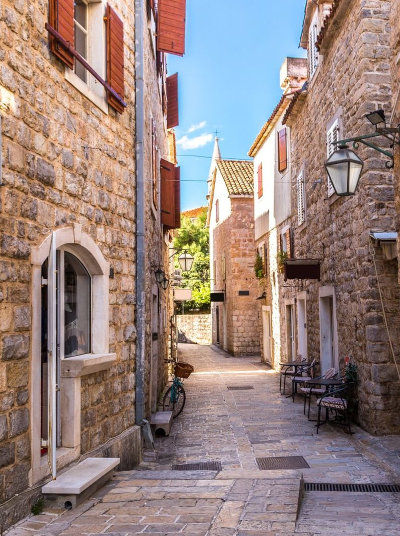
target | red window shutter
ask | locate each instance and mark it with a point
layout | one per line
(172, 101)
(282, 150)
(177, 191)
(171, 26)
(260, 181)
(61, 18)
(115, 57)
(168, 206)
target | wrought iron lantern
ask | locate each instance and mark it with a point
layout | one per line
(165, 283)
(185, 261)
(159, 275)
(344, 169)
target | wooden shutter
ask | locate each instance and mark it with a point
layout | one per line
(171, 26)
(115, 57)
(331, 136)
(260, 181)
(172, 101)
(289, 242)
(61, 18)
(282, 150)
(177, 191)
(301, 208)
(170, 195)
(313, 56)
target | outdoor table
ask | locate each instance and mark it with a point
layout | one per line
(295, 365)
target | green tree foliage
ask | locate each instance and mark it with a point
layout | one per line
(193, 236)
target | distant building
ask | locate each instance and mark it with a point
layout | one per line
(235, 318)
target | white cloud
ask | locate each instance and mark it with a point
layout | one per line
(194, 143)
(200, 125)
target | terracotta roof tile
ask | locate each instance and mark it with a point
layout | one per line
(238, 176)
(326, 23)
(194, 212)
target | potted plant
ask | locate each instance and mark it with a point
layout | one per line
(281, 259)
(258, 267)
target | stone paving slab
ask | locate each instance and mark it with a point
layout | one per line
(235, 427)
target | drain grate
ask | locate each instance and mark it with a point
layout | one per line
(363, 488)
(198, 466)
(281, 462)
(240, 387)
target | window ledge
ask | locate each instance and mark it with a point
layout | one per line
(82, 365)
(85, 89)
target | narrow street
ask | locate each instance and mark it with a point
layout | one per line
(235, 427)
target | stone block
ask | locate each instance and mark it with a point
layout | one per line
(15, 347)
(16, 157)
(45, 172)
(22, 317)
(19, 422)
(3, 427)
(384, 373)
(7, 454)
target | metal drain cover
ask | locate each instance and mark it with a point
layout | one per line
(281, 462)
(198, 466)
(363, 488)
(240, 387)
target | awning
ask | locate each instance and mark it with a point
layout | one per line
(302, 269)
(384, 236)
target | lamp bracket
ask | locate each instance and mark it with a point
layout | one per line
(392, 134)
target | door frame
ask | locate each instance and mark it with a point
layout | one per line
(290, 304)
(328, 292)
(302, 329)
(267, 316)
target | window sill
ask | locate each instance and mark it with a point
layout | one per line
(82, 365)
(84, 88)
(301, 227)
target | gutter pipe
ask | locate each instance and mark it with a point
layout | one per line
(140, 221)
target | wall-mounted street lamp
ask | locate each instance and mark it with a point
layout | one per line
(185, 261)
(344, 167)
(159, 275)
(165, 283)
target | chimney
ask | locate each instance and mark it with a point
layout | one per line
(293, 74)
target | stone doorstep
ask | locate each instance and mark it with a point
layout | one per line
(78, 483)
(162, 420)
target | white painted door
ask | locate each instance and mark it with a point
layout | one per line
(302, 327)
(290, 336)
(267, 336)
(326, 333)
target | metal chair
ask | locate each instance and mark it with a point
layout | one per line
(289, 370)
(306, 373)
(336, 400)
(317, 391)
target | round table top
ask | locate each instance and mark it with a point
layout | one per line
(294, 364)
(325, 381)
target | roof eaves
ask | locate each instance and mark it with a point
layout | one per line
(332, 20)
(301, 92)
(308, 14)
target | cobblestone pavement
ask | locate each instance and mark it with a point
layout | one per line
(235, 427)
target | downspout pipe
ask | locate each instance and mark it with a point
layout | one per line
(140, 213)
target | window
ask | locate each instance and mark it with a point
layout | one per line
(313, 56)
(265, 258)
(282, 150)
(260, 181)
(217, 210)
(223, 271)
(332, 135)
(301, 200)
(81, 36)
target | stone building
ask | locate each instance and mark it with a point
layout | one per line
(235, 318)
(272, 212)
(395, 111)
(82, 231)
(343, 275)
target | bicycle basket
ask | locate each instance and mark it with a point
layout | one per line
(183, 370)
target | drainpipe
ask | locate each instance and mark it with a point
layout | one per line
(140, 222)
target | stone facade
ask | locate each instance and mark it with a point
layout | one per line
(194, 329)
(68, 168)
(352, 78)
(236, 325)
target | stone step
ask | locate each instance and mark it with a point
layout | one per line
(76, 484)
(162, 420)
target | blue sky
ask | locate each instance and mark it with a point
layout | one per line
(229, 79)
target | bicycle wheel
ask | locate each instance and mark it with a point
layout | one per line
(177, 406)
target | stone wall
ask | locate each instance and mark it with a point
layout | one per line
(239, 322)
(194, 328)
(353, 78)
(67, 161)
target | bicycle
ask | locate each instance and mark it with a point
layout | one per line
(175, 397)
